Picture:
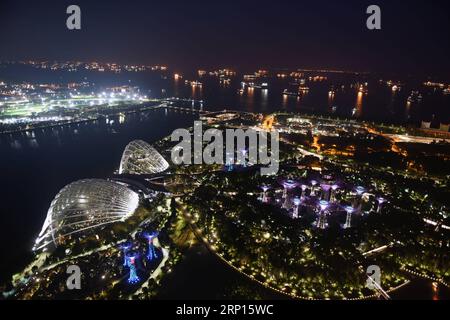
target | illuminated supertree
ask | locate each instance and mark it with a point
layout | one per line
(297, 202)
(380, 201)
(326, 192)
(321, 222)
(288, 186)
(359, 192)
(348, 220)
(229, 162)
(304, 188)
(313, 190)
(334, 188)
(264, 197)
(151, 247)
(244, 153)
(125, 248)
(131, 263)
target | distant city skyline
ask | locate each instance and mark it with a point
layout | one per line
(286, 34)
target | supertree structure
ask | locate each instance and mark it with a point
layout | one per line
(321, 221)
(131, 263)
(264, 197)
(348, 220)
(297, 202)
(288, 186)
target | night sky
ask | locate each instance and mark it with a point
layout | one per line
(245, 34)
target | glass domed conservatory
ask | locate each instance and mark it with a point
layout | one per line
(141, 158)
(85, 205)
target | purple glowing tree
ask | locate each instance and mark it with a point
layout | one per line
(264, 197)
(321, 222)
(125, 248)
(288, 186)
(151, 247)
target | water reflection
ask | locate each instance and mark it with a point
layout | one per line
(408, 110)
(264, 99)
(285, 101)
(357, 112)
(331, 96)
(196, 92)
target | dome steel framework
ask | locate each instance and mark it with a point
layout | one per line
(84, 205)
(141, 158)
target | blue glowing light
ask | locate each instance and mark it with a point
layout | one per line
(125, 247)
(360, 190)
(131, 263)
(323, 205)
(152, 254)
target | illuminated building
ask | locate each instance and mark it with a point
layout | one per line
(85, 205)
(141, 158)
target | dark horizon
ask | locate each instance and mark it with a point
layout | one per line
(286, 34)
